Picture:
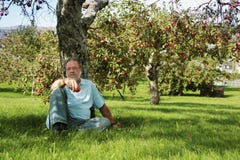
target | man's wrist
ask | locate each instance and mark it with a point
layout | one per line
(61, 82)
(113, 123)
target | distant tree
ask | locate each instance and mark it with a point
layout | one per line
(29, 59)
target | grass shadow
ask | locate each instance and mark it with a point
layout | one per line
(188, 108)
(30, 124)
(10, 89)
(232, 89)
(127, 98)
(199, 105)
(233, 120)
(190, 130)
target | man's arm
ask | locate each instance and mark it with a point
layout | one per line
(58, 83)
(106, 113)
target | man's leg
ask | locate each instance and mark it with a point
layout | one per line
(99, 123)
(58, 112)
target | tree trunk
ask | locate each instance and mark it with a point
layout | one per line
(152, 74)
(72, 26)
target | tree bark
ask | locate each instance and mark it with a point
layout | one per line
(72, 26)
(152, 74)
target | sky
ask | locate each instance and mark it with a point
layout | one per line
(46, 19)
(15, 17)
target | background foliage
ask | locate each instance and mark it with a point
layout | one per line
(30, 59)
(184, 47)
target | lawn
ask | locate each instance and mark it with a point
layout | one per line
(186, 127)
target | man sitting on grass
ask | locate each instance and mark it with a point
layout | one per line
(70, 102)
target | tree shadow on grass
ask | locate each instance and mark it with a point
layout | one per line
(199, 105)
(128, 98)
(233, 120)
(189, 130)
(30, 124)
(12, 93)
(10, 89)
(147, 99)
(189, 108)
(235, 89)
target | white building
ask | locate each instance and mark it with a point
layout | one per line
(230, 67)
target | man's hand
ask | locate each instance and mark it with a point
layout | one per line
(115, 124)
(72, 84)
(106, 113)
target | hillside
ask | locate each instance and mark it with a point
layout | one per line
(5, 30)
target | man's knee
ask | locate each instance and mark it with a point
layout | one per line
(58, 111)
(58, 94)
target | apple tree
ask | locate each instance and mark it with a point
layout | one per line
(111, 59)
(17, 53)
(29, 58)
(124, 44)
(164, 43)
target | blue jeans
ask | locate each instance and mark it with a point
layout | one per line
(58, 112)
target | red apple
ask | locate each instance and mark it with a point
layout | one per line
(94, 55)
(234, 49)
(124, 73)
(238, 57)
(38, 7)
(193, 33)
(238, 44)
(130, 50)
(40, 1)
(204, 26)
(147, 44)
(113, 81)
(103, 41)
(29, 3)
(106, 59)
(237, 35)
(77, 90)
(113, 22)
(171, 46)
(180, 51)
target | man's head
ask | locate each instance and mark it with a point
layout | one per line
(73, 68)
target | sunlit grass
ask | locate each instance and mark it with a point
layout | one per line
(187, 127)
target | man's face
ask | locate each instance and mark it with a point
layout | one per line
(73, 70)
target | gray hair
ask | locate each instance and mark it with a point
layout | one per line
(72, 59)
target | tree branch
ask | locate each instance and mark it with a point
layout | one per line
(92, 7)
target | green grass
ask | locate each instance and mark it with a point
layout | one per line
(187, 127)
